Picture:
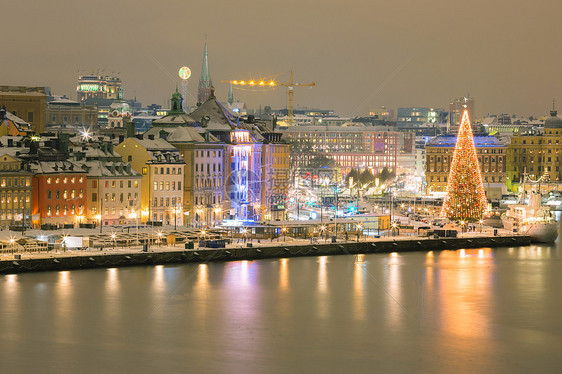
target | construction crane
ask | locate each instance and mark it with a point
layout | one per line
(270, 84)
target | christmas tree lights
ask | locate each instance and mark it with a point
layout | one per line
(466, 200)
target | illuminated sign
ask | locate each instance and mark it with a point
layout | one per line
(90, 87)
(184, 73)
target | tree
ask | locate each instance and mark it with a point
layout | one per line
(466, 199)
(385, 175)
(366, 177)
(354, 175)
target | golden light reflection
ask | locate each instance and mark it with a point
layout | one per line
(322, 307)
(359, 278)
(464, 289)
(394, 310)
(10, 304)
(201, 291)
(159, 283)
(112, 288)
(64, 308)
(284, 274)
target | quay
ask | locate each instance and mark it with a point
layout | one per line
(91, 259)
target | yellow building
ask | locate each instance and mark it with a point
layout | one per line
(491, 156)
(275, 177)
(162, 169)
(539, 153)
(15, 190)
(28, 103)
(11, 125)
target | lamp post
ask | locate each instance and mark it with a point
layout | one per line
(113, 237)
(284, 230)
(99, 218)
(480, 225)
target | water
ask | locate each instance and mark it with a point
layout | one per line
(471, 311)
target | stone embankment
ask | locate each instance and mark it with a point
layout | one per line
(256, 252)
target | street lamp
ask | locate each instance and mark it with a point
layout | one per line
(284, 230)
(113, 236)
(99, 219)
(480, 225)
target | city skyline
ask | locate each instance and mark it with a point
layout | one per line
(360, 55)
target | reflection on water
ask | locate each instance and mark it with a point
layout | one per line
(322, 294)
(463, 290)
(394, 309)
(359, 282)
(475, 310)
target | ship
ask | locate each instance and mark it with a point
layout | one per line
(531, 218)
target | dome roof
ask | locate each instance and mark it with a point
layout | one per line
(120, 109)
(553, 122)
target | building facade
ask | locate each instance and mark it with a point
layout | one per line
(537, 152)
(15, 191)
(162, 169)
(491, 152)
(28, 103)
(352, 147)
(93, 86)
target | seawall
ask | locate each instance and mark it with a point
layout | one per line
(256, 252)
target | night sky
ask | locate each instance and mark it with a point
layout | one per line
(361, 54)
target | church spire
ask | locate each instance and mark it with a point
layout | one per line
(230, 94)
(205, 83)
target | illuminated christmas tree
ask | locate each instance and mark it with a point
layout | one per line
(465, 200)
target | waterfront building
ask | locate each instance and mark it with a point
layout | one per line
(113, 186)
(539, 153)
(491, 153)
(203, 181)
(15, 189)
(59, 193)
(352, 147)
(28, 103)
(275, 176)
(162, 169)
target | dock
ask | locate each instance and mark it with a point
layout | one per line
(75, 260)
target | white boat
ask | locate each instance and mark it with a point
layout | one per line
(531, 219)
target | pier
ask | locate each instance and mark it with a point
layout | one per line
(50, 261)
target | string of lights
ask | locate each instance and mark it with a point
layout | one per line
(466, 199)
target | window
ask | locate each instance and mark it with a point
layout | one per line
(94, 184)
(167, 170)
(49, 194)
(155, 186)
(155, 170)
(179, 170)
(129, 158)
(145, 170)
(29, 116)
(167, 186)
(94, 197)
(57, 194)
(162, 186)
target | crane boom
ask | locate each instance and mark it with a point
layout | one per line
(290, 89)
